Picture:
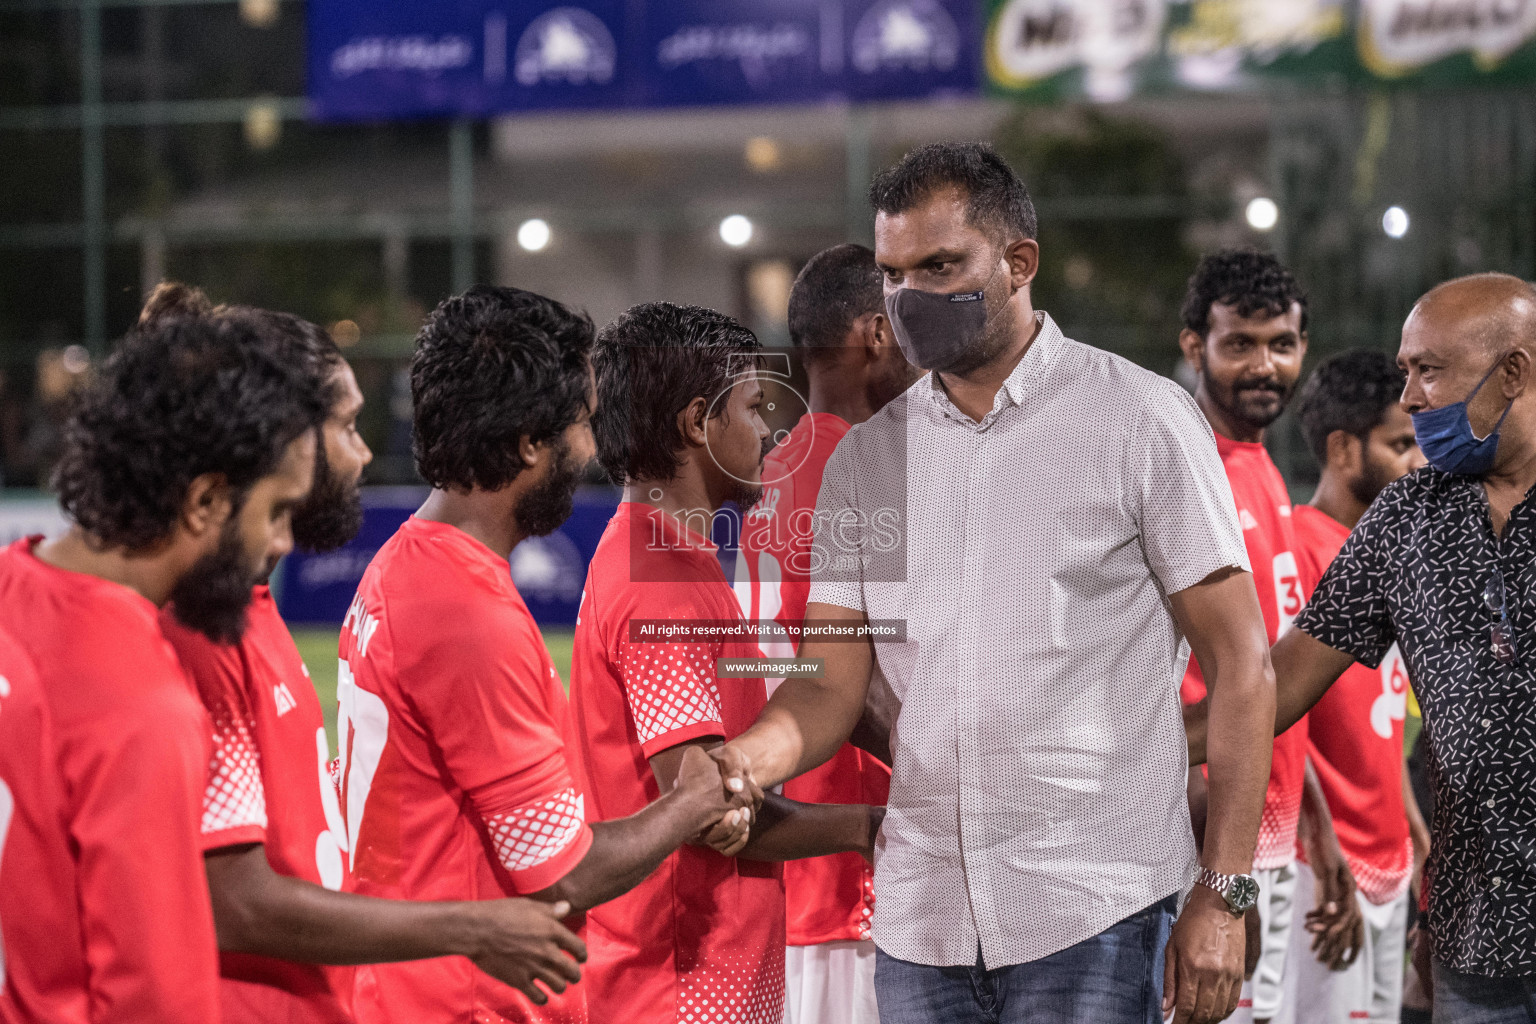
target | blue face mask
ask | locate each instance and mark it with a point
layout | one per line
(1446, 439)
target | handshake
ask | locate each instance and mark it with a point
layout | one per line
(731, 813)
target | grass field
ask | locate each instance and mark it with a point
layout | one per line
(318, 648)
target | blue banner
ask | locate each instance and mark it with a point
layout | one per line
(380, 59)
(549, 571)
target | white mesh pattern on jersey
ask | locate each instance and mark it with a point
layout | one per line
(529, 836)
(1382, 885)
(669, 686)
(1041, 746)
(235, 796)
(1277, 834)
(736, 989)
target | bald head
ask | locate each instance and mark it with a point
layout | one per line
(1487, 314)
(1472, 340)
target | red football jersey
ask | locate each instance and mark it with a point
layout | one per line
(36, 898)
(828, 899)
(269, 784)
(133, 938)
(1355, 737)
(1264, 511)
(459, 778)
(702, 939)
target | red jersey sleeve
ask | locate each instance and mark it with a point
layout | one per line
(144, 909)
(670, 686)
(487, 696)
(235, 802)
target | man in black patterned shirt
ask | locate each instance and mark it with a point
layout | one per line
(1444, 563)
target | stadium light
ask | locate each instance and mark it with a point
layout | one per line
(1395, 222)
(533, 234)
(1262, 214)
(736, 231)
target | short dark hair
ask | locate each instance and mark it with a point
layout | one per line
(996, 200)
(1351, 391)
(1249, 280)
(833, 289)
(178, 398)
(651, 362)
(491, 366)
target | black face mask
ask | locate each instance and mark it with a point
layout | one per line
(937, 330)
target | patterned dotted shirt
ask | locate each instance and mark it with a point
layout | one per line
(1415, 570)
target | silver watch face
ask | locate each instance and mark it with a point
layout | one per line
(1243, 892)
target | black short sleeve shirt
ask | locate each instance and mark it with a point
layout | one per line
(1414, 571)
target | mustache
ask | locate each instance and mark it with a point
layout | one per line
(1260, 384)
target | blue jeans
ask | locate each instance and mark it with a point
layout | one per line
(1116, 977)
(1470, 999)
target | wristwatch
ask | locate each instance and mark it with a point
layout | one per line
(1240, 891)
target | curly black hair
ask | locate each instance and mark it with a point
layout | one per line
(1351, 391)
(651, 362)
(179, 397)
(833, 289)
(492, 366)
(307, 346)
(297, 340)
(1249, 280)
(996, 200)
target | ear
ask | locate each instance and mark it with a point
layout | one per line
(871, 332)
(1191, 344)
(693, 422)
(529, 452)
(207, 505)
(1345, 452)
(1023, 259)
(1517, 373)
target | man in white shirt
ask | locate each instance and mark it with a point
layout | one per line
(1051, 522)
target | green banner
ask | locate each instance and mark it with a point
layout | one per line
(1108, 50)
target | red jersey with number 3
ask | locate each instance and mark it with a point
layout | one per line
(828, 899)
(701, 941)
(1355, 736)
(458, 762)
(132, 939)
(1264, 512)
(269, 784)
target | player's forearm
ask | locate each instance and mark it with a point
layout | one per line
(789, 830)
(1240, 744)
(259, 911)
(804, 724)
(624, 851)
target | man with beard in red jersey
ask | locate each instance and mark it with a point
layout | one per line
(272, 826)
(180, 468)
(1245, 336)
(854, 367)
(461, 776)
(701, 940)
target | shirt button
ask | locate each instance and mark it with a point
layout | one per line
(1497, 881)
(1489, 803)
(1487, 724)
